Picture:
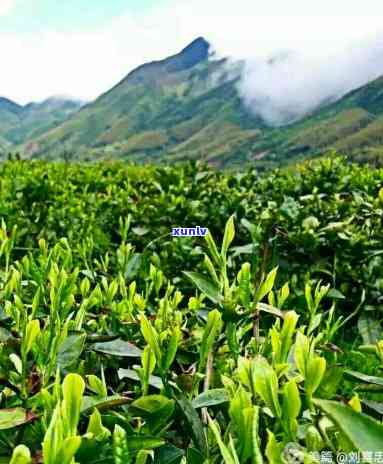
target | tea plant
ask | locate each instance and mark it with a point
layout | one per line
(119, 344)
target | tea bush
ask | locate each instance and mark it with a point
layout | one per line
(261, 342)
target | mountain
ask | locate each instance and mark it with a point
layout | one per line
(10, 113)
(187, 107)
(352, 125)
(19, 123)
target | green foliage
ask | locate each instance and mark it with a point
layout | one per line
(21, 455)
(122, 344)
(364, 433)
(20, 123)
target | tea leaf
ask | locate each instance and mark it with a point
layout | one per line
(169, 454)
(365, 378)
(228, 236)
(68, 450)
(194, 423)
(73, 390)
(110, 402)
(21, 455)
(206, 286)
(370, 329)
(265, 382)
(70, 350)
(154, 381)
(257, 457)
(14, 417)
(364, 433)
(211, 398)
(226, 453)
(118, 348)
(267, 285)
(210, 335)
(32, 331)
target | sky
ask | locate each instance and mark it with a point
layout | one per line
(81, 48)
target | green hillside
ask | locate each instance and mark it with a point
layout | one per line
(187, 107)
(352, 125)
(20, 123)
(37, 118)
(10, 114)
(4, 145)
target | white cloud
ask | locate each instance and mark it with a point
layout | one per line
(6, 6)
(86, 63)
(296, 83)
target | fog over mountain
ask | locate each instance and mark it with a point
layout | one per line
(289, 84)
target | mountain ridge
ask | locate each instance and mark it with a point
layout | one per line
(187, 106)
(10, 105)
(154, 109)
(20, 122)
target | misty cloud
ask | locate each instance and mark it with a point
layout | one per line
(291, 84)
(87, 61)
(6, 6)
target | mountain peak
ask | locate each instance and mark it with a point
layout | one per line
(9, 105)
(198, 48)
(195, 52)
